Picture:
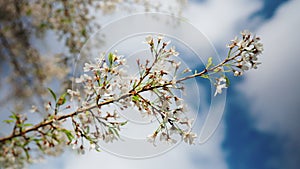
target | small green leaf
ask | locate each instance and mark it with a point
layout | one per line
(229, 53)
(205, 76)
(134, 84)
(39, 146)
(37, 140)
(27, 153)
(227, 81)
(13, 116)
(27, 125)
(123, 123)
(51, 117)
(135, 98)
(83, 32)
(62, 99)
(8, 121)
(21, 125)
(68, 134)
(116, 132)
(209, 62)
(88, 129)
(110, 59)
(52, 93)
(216, 70)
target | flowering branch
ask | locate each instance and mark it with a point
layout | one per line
(106, 82)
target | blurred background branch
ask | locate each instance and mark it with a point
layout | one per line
(26, 70)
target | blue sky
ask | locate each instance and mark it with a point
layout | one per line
(268, 9)
(249, 146)
(260, 126)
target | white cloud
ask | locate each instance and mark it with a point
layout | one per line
(274, 88)
(206, 156)
(275, 85)
(183, 156)
(218, 19)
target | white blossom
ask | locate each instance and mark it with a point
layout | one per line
(189, 137)
(237, 73)
(151, 138)
(178, 101)
(149, 39)
(173, 130)
(171, 141)
(163, 136)
(90, 67)
(73, 94)
(166, 138)
(160, 37)
(246, 33)
(109, 137)
(81, 150)
(259, 47)
(187, 121)
(173, 51)
(92, 146)
(220, 84)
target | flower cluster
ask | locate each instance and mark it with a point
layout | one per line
(242, 56)
(107, 82)
(101, 84)
(47, 139)
(247, 49)
(159, 78)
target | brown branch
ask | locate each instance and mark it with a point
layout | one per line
(98, 105)
(59, 118)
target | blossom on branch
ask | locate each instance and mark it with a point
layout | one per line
(105, 88)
